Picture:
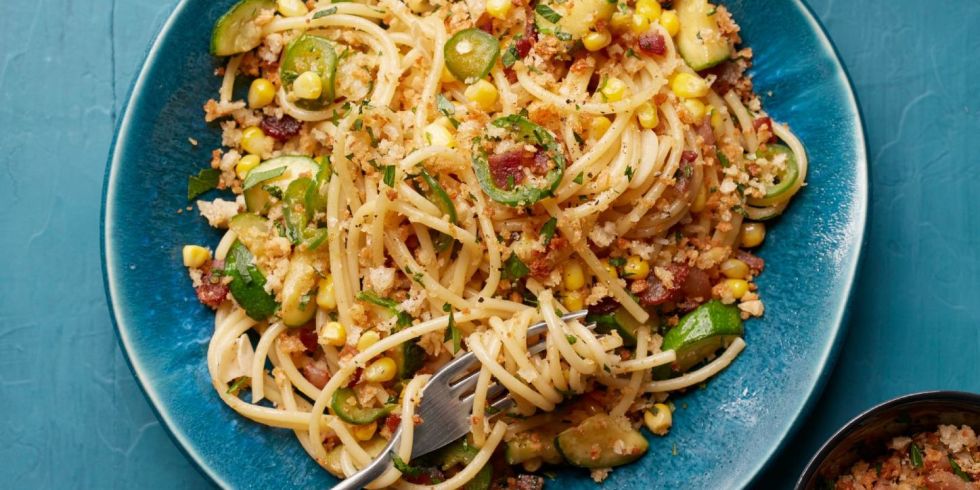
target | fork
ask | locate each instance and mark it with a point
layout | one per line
(447, 399)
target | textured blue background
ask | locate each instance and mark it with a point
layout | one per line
(71, 414)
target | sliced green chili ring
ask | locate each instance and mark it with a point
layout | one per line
(351, 412)
(787, 180)
(439, 196)
(528, 132)
(295, 211)
(310, 53)
(470, 54)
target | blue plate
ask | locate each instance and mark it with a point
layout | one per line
(723, 434)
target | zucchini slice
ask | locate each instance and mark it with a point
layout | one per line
(257, 197)
(620, 321)
(700, 40)
(344, 405)
(461, 453)
(236, 32)
(701, 333)
(534, 444)
(298, 301)
(601, 441)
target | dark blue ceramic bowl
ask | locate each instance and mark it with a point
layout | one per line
(723, 435)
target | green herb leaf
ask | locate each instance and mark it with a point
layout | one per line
(324, 13)
(204, 181)
(617, 262)
(547, 12)
(722, 158)
(579, 178)
(404, 319)
(548, 230)
(629, 174)
(563, 36)
(957, 470)
(571, 339)
(315, 238)
(239, 383)
(404, 467)
(452, 331)
(253, 178)
(915, 454)
(511, 55)
(388, 175)
(514, 268)
(446, 108)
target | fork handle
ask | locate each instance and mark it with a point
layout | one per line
(373, 470)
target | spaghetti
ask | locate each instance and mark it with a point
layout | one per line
(416, 180)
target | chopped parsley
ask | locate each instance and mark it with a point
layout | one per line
(514, 268)
(579, 178)
(254, 178)
(404, 319)
(239, 383)
(547, 12)
(957, 470)
(405, 468)
(915, 455)
(388, 175)
(452, 331)
(548, 230)
(629, 174)
(511, 55)
(446, 108)
(204, 181)
(324, 13)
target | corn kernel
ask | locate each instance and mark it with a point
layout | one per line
(738, 287)
(260, 93)
(195, 256)
(598, 126)
(689, 86)
(611, 269)
(573, 277)
(326, 298)
(532, 465)
(696, 109)
(671, 22)
(308, 85)
(573, 300)
(594, 41)
(483, 93)
(753, 234)
(649, 8)
(613, 90)
(639, 24)
(636, 268)
(620, 21)
(255, 142)
(291, 8)
(367, 339)
(700, 200)
(438, 135)
(246, 164)
(382, 370)
(447, 76)
(646, 114)
(659, 419)
(364, 432)
(499, 8)
(734, 269)
(716, 118)
(333, 333)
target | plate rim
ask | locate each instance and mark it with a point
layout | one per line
(830, 352)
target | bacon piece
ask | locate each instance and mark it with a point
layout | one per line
(652, 44)
(689, 156)
(511, 164)
(356, 377)
(309, 339)
(317, 373)
(658, 293)
(392, 421)
(707, 132)
(212, 291)
(281, 129)
(756, 264)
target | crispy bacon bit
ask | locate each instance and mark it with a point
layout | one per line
(212, 291)
(541, 266)
(658, 293)
(697, 287)
(428, 476)
(392, 422)
(763, 126)
(756, 264)
(689, 156)
(510, 165)
(308, 337)
(525, 482)
(317, 373)
(653, 44)
(604, 306)
(356, 377)
(281, 128)
(707, 132)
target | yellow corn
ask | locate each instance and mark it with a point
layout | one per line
(670, 21)
(438, 135)
(649, 8)
(716, 118)
(382, 370)
(620, 21)
(734, 269)
(696, 109)
(611, 269)
(254, 141)
(483, 93)
(246, 164)
(260, 93)
(753, 234)
(738, 287)
(594, 41)
(639, 24)
(195, 256)
(333, 333)
(291, 8)
(573, 300)
(367, 339)
(364, 432)
(700, 200)
(308, 85)
(636, 268)
(646, 114)
(659, 419)
(598, 126)
(613, 90)
(326, 298)
(499, 8)
(689, 86)
(573, 277)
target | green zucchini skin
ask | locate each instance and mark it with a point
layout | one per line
(310, 53)
(702, 332)
(352, 413)
(233, 32)
(601, 441)
(700, 41)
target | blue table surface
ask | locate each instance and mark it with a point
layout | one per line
(72, 415)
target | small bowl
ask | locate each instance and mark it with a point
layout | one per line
(867, 435)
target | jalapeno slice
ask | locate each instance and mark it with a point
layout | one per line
(470, 54)
(310, 53)
(502, 176)
(786, 180)
(345, 406)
